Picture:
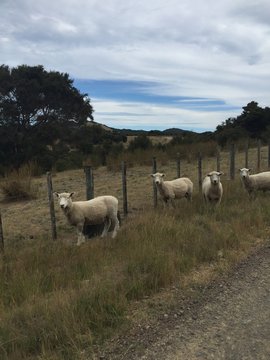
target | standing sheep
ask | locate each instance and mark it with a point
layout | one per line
(102, 209)
(174, 189)
(252, 183)
(212, 189)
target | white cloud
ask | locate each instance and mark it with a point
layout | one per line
(197, 48)
(139, 115)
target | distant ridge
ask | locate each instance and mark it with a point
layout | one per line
(130, 132)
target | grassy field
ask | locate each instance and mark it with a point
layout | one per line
(57, 300)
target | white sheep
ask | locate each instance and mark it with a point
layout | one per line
(252, 183)
(212, 189)
(174, 189)
(102, 209)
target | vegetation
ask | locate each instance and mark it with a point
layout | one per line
(37, 110)
(59, 301)
(18, 185)
(254, 122)
(45, 119)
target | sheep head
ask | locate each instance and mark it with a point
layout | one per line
(158, 177)
(64, 199)
(215, 177)
(244, 173)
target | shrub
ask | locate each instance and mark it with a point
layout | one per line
(17, 184)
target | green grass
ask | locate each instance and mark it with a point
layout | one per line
(57, 301)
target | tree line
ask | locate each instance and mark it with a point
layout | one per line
(45, 119)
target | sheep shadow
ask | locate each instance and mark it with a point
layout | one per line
(91, 231)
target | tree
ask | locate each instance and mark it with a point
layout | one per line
(37, 107)
(253, 119)
(140, 142)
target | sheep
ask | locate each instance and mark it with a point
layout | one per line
(102, 209)
(252, 183)
(174, 189)
(212, 189)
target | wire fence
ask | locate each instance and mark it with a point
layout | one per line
(89, 179)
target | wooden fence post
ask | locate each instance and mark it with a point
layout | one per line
(232, 162)
(154, 170)
(269, 155)
(218, 159)
(124, 187)
(89, 179)
(1, 236)
(200, 171)
(246, 154)
(51, 204)
(178, 165)
(259, 156)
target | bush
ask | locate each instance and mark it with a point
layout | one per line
(17, 184)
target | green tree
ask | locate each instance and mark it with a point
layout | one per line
(140, 142)
(36, 108)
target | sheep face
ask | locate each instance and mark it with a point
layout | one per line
(64, 199)
(215, 177)
(244, 173)
(158, 178)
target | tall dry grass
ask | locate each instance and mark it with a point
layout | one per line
(57, 301)
(17, 183)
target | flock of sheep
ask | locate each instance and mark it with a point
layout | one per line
(104, 209)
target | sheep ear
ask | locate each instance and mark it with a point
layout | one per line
(220, 173)
(152, 175)
(249, 169)
(208, 175)
(163, 175)
(56, 194)
(71, 194)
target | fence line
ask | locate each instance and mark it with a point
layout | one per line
(51, 204)
(218, 159)
(89, 179)
(154, 170)
(200, 171)
(246, 154)
(259, 156)
(178, 166)
(124, 187)
(1, 236)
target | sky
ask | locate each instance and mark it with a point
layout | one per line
(148, 64)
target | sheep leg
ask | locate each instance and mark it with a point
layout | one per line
(188, 196)
(116, 226)
(81, 237)
(173, 203)
(107, 225)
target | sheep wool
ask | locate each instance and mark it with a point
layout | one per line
(102, 209)
(212, 188)
(173, 189)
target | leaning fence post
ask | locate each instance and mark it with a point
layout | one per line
(124, 187)
(154, 170)
(246, 154)
(200, 171)
(89, 179)
(232, 162)
(259, 156)
(51, 204)
(178, 165)
(1, 236)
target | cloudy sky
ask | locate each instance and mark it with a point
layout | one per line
(151, 64)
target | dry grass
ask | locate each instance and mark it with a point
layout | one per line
(18, 185)
(58, 300)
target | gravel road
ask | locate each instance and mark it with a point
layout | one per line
(231, 320)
